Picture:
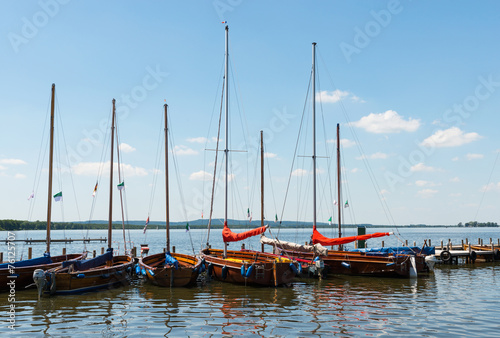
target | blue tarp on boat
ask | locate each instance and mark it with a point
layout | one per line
(91, 263)
(169, 259)
(428, 250)
(29, 262)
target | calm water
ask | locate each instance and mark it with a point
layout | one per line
(460, 301)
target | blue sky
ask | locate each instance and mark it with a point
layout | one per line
(415, 86)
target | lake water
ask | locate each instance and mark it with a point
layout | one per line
(454, 301)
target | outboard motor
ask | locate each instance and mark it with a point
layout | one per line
(39, 279)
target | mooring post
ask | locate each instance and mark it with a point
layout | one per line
(441, 244)
(406, 242)
(30, 252)
(173, 248)
(102, 251)
(94, 253)
(242, 246)
(430, 242)
(462, 244)
(491, 240)
(414, 243)
(1, 257)
(134, 251)
(64, 251)
(467, 241)
(479, 241)
(382, 244)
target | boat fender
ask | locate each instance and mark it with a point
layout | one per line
(294, 269)
(151, 272)
(473, 256)
(143, 272)
(316, 259)
(243, 272)
(445, 256)
(210, 269)
(224, 272)
(80, 275)
(249, 271)
(300, 268)
(496, 254)
(346, 265)
(137, 269)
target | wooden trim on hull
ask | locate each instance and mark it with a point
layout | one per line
(25, 273)
(166, 276)
(266, 271)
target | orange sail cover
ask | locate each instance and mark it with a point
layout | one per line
(229, 236)
(319, 238)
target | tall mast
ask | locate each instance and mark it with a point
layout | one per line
(314, 128)
(166, 180)
(261, 179)
(339, 206)
(110, 218)
(51, 160)
(226, 151)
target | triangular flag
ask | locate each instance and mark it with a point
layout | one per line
(121, 186)
(330, 220)
(248, 212)
(335, 203)
(31, 196)
(346, 205)
(250, 219)
(276, 219)
(146, 226)
(187, 227)
(58, 196)
(95, 189)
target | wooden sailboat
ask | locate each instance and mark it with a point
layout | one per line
(170, 269)
(18, 275)
(103, 271)
(340, 261)
(252, 268)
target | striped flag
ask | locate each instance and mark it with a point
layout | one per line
(95, 190)
(146, 226)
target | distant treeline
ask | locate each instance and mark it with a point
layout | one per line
(477, 224)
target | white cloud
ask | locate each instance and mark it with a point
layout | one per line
(201, 139)
(388, 122)
(12, 161)
(345, 143)
(331, 97)
(423, 167)
(491, 187)
(270, 155)
(422, 183)
(92, 169)
(455, 179)
(452, 137)
(454, 159)
(200, 176)
(355, 170)
(19, 176)
(2, 167)
(299, 172)
(375, 156)
(126, 148)
(184, 150)
(471, 157)
(427, 193)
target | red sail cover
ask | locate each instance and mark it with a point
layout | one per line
(319, 238)
(229, 236)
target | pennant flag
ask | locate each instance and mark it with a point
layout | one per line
(335, 202)
(95, 189)
(346, 205)
(31, 196)
(187, 227)
(330, 220)
(248, 212)
(202, 214)
(58, 196)
(146, 226)
(121, 186)
(224, 21)
(250, 219)
(276, 219)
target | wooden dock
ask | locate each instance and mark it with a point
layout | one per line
(64, 240)
(468, 253)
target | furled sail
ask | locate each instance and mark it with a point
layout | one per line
(316, 248)
(318, 238)
(229, 236)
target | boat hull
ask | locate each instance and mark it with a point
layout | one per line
(266, 271)
(24, 275)
(65, 281)
(166, 276)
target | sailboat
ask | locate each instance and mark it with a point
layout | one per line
(241, 267)
(20, 274)
(341, 261)
(103, 271)
(170, 269)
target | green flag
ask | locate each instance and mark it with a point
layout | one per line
(58, 196)
(187, 227)
(121, 186)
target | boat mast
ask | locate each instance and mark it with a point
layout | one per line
(314, 128)
(339, 207)
(166, 180)
(261, 179)
(110, 218)
(51, 160)
(226, 151)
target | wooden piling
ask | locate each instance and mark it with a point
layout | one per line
(382, 244)
(430, 242)
(30, 253)
(134, 251)
(102, 251)
(441, 245)
(64, 251)
(406, 242)
(94, 253)
(242, 246)
(414, 243)
(173, 248)
(1, 257)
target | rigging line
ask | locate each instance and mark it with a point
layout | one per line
(159, 148)
(487, 183)
(383, 203)
(295, 154)
(215, 168)
(120, 181)
(272, 189)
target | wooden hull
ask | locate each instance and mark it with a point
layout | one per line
(24, 275)
(161, 275)
(360, 264)
(71, 282)
(266, 271)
